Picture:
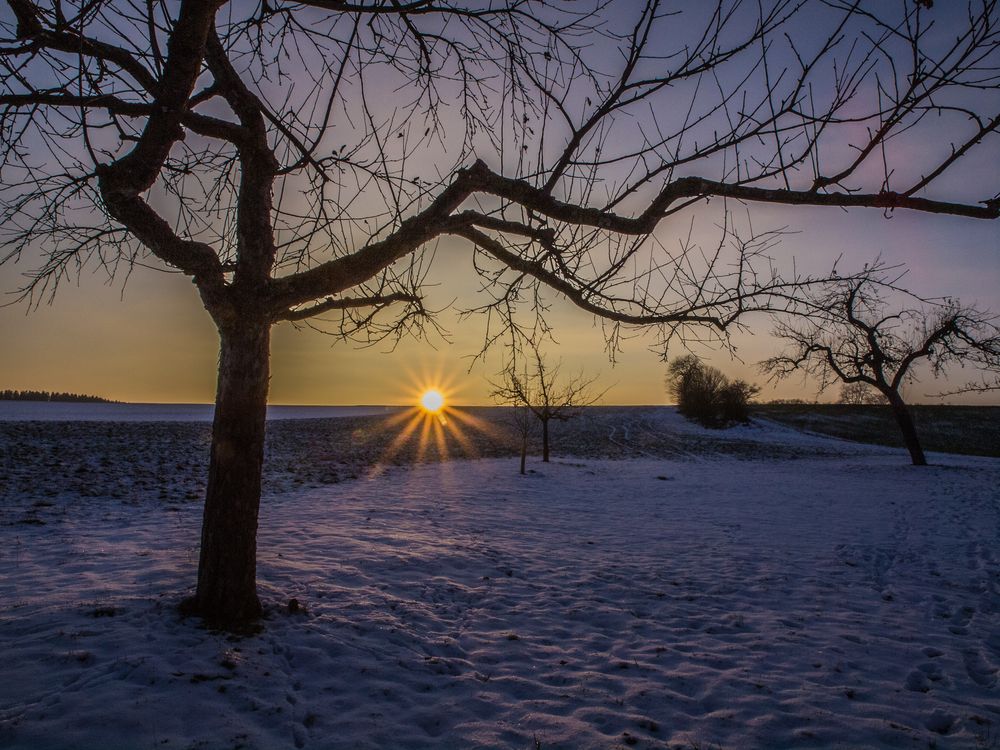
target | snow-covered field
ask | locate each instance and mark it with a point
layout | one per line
(61, 411)
(691, 599)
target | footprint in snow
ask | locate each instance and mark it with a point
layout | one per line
(979, 669)
(917, 682)
(961, 621)
(940, 722)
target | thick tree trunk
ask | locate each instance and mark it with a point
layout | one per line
(545, 441)
(227, 569)
(524, 451)
(906, 426)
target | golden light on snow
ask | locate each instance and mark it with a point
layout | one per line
(432, 400)
(433, 427)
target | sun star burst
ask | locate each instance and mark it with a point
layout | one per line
(432, 400)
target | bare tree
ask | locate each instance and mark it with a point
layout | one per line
(545, 394)
(860, 394)
(857, 337)
(302, 161)
(520, 420)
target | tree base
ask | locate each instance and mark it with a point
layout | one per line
(245, 622)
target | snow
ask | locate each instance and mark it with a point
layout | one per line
(839, 599)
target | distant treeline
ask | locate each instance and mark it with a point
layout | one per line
(9, 395)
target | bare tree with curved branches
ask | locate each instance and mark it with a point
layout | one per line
(545, 393)
(304, 159)
(856, 335)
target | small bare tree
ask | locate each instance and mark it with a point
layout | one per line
(521, 419)
(545, 394)
(856, 336)
(860, 394)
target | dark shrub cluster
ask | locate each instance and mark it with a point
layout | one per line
(705, 395)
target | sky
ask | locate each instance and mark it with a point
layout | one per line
(151, 341)
(148, 339)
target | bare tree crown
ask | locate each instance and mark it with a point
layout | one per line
(870, 331)
(542, 388)
(303, 159)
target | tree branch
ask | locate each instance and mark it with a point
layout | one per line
(347, 303)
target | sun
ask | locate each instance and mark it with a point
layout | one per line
(432, 400)
(433, 427)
